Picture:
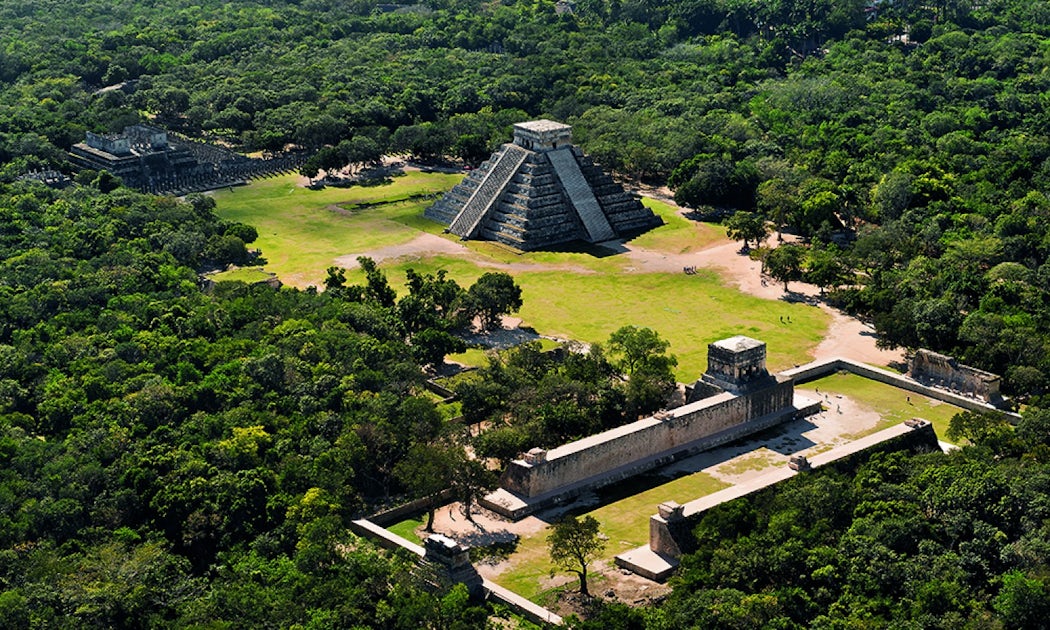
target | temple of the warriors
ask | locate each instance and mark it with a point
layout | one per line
(140, 155)
(151, 160)
(736, 397)
(540, 191)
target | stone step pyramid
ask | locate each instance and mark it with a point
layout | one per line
(538, 192)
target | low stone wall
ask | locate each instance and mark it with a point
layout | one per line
(388, 540)
(403, 511)
(817, 369)
(671, 529)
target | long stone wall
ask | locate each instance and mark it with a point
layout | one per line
(671, 529)
(595, 461)
(389, 540)
(817, 369)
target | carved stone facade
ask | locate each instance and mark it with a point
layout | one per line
(152, 160)
(760, 401)
(540, 191)
(939, 370)
(446, 562)
(737, 364)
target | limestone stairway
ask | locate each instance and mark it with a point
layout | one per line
(579, 192)
(489, 192)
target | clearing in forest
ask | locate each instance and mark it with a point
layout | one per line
(583, 294)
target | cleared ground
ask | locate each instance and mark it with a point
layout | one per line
(853, 407)
(303, 231)
(583, 295)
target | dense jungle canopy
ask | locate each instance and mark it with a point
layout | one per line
(176, 458)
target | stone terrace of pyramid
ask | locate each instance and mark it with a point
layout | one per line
(538, 192)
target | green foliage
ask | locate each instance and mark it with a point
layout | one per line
(933, 540)
(785, 263)
(190, 458)
(746, 226)
(573, 543)
(494, 295)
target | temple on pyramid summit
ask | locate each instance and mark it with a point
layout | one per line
(541, 191)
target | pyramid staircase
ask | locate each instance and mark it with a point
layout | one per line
(531, 198)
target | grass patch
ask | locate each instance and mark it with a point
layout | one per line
(580, 295)
(677, 235)
(891, 403)
(303, 231)
(625, 522)
(450, 410)
(247, 275)
(690, 311)
(474, 357)
(759, 459)
(407, 528)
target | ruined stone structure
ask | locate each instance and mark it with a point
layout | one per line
(760, 401)
(445, 562)
(671, 528)
(139, 155)
(940, 370)
(149, 159)
(540, 191)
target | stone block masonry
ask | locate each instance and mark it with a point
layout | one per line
(671, 528)
(543, 478)
(539, 192)
(944, 371)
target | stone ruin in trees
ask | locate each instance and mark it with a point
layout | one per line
(540, 191)
(152, 160)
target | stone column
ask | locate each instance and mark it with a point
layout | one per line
(449, 562)
(662, 526)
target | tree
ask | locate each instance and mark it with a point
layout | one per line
(494, 295)
(777, 199)
(574, 543)
(746, 226)
(824, 267)
(430, 346)
(376, 288)
(471, 479)
(1023, 602)
(426, 472)
(631, 348)
(785, 263)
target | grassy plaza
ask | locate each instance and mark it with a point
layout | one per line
(580, 295)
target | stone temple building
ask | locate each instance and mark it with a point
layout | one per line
(735, 398)
(141, 156)
(540, 191)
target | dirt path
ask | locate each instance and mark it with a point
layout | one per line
(846, 336)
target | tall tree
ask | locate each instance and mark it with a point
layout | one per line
(785, 263)
(574, 543)
(747, 226)
(494, 295)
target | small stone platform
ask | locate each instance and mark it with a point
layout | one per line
(659, 559)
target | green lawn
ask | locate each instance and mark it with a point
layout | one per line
(678, 235)
(890, 402)
(248, 275)
(583, 294)
(624, 522)
(407, 528)
(303, 231)
(690, 311)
